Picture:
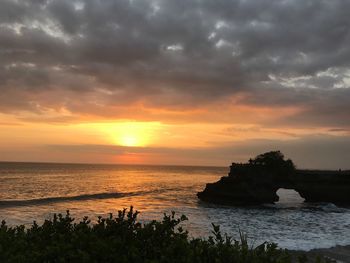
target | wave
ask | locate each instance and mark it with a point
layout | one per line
(327, 207)
(43, 201)
(316, 207)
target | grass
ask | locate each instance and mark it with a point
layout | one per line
(122, 238)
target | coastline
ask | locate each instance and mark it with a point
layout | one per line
(337, 253)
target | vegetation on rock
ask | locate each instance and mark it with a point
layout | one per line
(273, 161)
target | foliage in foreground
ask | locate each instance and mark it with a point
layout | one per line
(124, 239)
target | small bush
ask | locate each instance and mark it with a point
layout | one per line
(123, 239)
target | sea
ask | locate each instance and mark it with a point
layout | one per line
(35, 191)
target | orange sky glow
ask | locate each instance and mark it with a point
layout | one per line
(144, 142)
(174, 82)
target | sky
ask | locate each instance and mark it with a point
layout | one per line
(192, 82)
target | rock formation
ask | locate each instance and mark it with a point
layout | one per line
(257, 182)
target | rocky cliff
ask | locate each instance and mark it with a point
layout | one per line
(257, 182)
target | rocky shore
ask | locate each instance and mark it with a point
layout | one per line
(257, 181)
(339, 254)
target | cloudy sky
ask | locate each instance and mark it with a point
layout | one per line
(198, 82)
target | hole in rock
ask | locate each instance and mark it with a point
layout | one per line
(289, 196)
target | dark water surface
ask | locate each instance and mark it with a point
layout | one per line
(33, 191)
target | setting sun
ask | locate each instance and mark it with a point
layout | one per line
(128, 140)
(130, 134)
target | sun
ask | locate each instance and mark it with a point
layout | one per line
(129, 140)
(130, 133)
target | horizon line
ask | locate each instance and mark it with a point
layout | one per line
(165, 165)
(111, 164)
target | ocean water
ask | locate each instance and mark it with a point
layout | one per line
(34, 191)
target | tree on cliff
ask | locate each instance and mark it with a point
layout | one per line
(273, 161)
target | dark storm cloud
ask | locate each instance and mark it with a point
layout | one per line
(176, 54)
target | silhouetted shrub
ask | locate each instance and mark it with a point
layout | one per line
(124, 239)
(273, 162)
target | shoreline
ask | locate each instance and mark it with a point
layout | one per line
(337, 253)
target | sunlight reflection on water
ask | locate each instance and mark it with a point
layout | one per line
(154, 190)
